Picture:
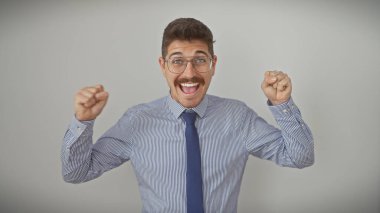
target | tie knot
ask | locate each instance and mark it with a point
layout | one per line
(189, 117)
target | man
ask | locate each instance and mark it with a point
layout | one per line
(188, 149)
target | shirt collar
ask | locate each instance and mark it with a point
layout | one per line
(177, 109)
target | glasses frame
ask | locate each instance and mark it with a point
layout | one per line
(192, 63)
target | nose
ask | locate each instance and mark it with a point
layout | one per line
(190, 70)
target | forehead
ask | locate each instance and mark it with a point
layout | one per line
(187, 48)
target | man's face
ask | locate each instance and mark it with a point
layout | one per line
(189, 87)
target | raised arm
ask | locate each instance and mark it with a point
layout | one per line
(81, 159)
(292, 144)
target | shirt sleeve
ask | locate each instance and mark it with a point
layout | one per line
(83, 161)
(289, 145)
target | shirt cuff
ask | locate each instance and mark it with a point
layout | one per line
(285, 109)
(78, 127)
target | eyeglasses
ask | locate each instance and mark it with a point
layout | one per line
(178, 65)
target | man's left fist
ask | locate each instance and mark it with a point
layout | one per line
(277, 87)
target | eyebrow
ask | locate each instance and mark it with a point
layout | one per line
(181, 54)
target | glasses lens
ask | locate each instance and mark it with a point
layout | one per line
(202, 63)
(177, 65)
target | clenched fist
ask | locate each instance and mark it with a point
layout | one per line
(277, 87)
(89, 102)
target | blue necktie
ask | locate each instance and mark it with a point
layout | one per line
(194, 190)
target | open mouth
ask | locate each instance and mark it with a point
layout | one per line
(189, 88)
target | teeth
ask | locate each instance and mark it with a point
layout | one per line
(189, 84)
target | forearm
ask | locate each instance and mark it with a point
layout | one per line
(76, 151)
(295, 135)
(83, 161)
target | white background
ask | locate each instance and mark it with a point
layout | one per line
(49, 50)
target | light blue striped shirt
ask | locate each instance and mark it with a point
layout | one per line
(152, 137)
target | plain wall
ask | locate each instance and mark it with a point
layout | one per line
(330, 49)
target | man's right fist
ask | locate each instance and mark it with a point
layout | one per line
(89, 102)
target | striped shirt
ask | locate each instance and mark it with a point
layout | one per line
(152, 137)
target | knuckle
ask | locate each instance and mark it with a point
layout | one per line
(85, 88)
(91, 90)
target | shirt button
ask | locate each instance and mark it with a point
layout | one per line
(285, 110)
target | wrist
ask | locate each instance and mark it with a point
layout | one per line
(277, 102)
(83, 118)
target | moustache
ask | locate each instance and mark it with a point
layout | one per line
(194, 79)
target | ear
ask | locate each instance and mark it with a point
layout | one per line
(214, 61)
(161, 61)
